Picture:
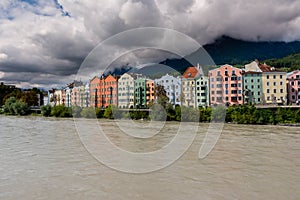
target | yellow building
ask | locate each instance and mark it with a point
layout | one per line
(273, 85)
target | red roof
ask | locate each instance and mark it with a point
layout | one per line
(265, 68)
(190, 72)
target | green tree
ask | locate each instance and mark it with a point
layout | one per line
(46, 110)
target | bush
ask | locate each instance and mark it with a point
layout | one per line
(88, 113)
(61, 111)
(15, 107)
(46, 110)
(108, 113)
(76, 111)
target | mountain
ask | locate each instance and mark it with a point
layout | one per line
(226, 50)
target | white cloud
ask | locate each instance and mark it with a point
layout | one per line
(42, 39)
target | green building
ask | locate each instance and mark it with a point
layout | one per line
(140, 92)
(252, 82)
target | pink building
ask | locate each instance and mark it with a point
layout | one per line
(226, 85)
(293, 85)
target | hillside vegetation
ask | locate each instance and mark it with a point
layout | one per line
(287, 63)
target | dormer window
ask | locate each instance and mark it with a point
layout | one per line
(189, 74)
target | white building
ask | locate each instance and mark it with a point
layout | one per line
(172, 86)
(126, 91)
(195, 89)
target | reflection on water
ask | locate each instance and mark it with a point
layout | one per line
(43, 158)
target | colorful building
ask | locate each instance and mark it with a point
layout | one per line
(95, 97)
(226, 86)
(126, 91)
(293, 86)
(202, 91)
(273, 85)
(188, 85)
(110, 91)
(172, 86)
(252, 82)
(150, 92)
(140, 92)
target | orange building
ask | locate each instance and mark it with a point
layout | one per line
(150, 92)
(104, 91)
(110, 91)
(95, 92)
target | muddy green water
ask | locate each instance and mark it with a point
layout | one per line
(43, 158)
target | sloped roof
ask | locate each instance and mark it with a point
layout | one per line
(265, 68)
(191, 72)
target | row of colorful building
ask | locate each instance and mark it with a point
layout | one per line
(256, 83)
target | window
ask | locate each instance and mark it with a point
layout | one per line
(239, 78)
(234, 85)
(219, 79)
(258, 93)
(292, 83)
(233, 78)
(233, 91)
(268, 98)
(219, 92)
(252, 87)
(280, 76)
(274, 76)
(281, 90)
(258, 80)
(240, 98)
(226, 92)
(219, 73)
(252, 81)
(274, 91)
(226, 78)
(240, 85)
(212, 92)
(226, 85)
(219, 85)
(212, 79)
(293, 97)
(258, 86)
(240, 91)
(246, 80)
(293, 90)
(281, 83)
(268, 83)
(274, 83)
(268, 90)
(233, 72)
(226, 73)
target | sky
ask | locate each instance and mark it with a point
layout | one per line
(43, 43)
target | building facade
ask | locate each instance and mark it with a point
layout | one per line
(273, 85)
(202, 91)
(140, 92)
(95, 97)
(150, 92)
(252, 82)
(109, 92)
(188, 85)
(293, 86)
(126, 91)
(226, 86)
(172, 86)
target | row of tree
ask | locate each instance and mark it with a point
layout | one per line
(32, 97)
(242, 114)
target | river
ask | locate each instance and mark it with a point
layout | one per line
(43, 158)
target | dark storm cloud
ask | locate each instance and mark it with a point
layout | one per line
(50, 39)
